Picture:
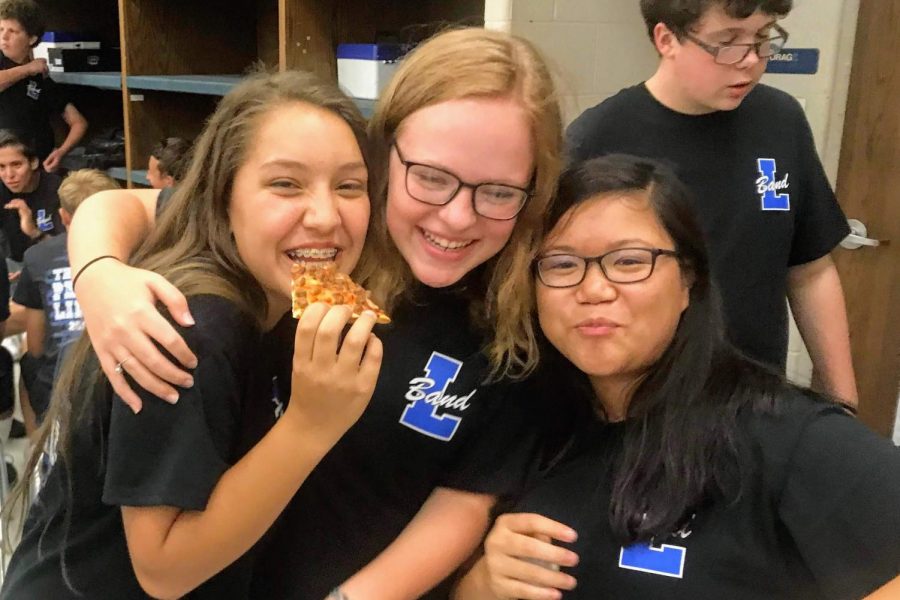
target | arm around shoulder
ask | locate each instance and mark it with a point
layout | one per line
(112, 222)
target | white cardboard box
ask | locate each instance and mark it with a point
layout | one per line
(362, 78)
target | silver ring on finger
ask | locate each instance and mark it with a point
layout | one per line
(120, 366)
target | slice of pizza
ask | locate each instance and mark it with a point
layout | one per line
(322, 282)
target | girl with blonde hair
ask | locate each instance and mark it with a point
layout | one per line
(469, 134)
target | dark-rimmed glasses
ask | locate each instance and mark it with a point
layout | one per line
(438, 187)
(731, 54)
(623, 265)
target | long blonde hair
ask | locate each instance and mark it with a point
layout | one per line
(467, 63)
(191, 245)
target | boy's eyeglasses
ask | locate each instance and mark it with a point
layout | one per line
(731, 54)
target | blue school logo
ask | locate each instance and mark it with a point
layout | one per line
(666, 560)
(429, 401)
(771, 190)
(44, 221)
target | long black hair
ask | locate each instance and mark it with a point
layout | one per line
(682, 444)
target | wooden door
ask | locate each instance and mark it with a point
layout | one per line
(868, 187)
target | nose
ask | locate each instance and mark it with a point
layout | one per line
(595, 287)
(460, 213)
(321, 212)
(752, 58)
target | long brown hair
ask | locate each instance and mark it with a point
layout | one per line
(192, 245)
(472, 63)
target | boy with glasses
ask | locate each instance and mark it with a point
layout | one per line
(746, 152)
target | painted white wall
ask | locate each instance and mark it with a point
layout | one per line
(897, 423)
(601, 46)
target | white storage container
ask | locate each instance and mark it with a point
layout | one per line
(364, 69)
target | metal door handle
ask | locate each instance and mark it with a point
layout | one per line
(860, 240)
(857, 237)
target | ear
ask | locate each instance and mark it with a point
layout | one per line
(65, 217)
(32, 41)
(34, 163)
(168, 181)
(665, 41)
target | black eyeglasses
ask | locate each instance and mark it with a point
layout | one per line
(731, 54)
(438, 187)
(623, 265)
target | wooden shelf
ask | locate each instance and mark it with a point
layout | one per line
(209, 85)
(196, 49)
(107, 80)
(139, 176)
(121, 173)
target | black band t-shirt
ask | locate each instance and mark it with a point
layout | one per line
(432, 423)
(46, 285)
(27, 106)
(74, 545)
(759, 189)
(817, 517)
(44, 205)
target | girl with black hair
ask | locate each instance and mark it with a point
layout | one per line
(702, 473)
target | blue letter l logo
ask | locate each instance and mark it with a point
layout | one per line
(665, 560)
(421, 414)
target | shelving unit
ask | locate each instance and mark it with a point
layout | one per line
(103, 81)
(209, 85)
(180, 56)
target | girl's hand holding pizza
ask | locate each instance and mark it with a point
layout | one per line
(333, 379)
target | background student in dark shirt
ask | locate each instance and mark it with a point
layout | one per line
(702, 474)
(44, 290)
(28, 195)
(28, 98)
(471, 134)
(168, 162)
(158, 502)
(746, 152)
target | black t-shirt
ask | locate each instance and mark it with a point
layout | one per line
(44, 205)
(817, 518)
(26, 108)
(432, 422)
(4, 291)
(167, 455)
(761, 195)
(46, 284)
(162, 200)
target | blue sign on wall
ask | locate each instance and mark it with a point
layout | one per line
(795, 61)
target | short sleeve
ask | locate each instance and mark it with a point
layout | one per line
(498, 458)
(28, 292)
(173, 455)
(841, 504)
(584, 136)
(820, 223)
(57, 98)
(162, 200)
